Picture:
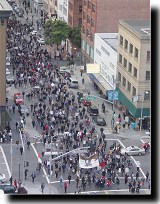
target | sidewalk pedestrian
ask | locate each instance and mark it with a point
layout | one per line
(61, 180)
(11, 180)
(65, 186)
(69, 178)
(33, 175)
(15, 183)
(42, 187)
(82, 80)
(77, 181)
(147, 175)
(21, 150)
(28, 145)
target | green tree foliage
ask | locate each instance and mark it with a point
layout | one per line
(75, 36)
(55, 32)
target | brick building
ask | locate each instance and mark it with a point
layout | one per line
(102, 16)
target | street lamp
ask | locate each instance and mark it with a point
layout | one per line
(146, 92)
(11, 156)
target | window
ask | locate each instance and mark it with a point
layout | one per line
(85, 2)
(70, 6)
(131, 49)
(98, 52)
(104, 50)
(125, 63)
(80, 9)
(84, 30)
(147, 95)
(93, 7)
(124, 81)
(119, 76)
(92, 22)
(89, 4)
(111, 65)
(136, 53)
(126, 45)
(88, 33)
(129, 86)
(135, 72)
(148, 55)
(133, 91)
(121, 41)
(130, 67)
(79, 21)
(120, 58)
(147, 75)
(84, 16)
(88, 19)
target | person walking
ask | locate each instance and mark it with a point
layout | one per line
(11, 180)
(33, 175)
(82, 80)
(117, 182)
(28, 145)
(15, 183)
(147, 175)
(42, 187)
(65, 187)
(61, 180)
(77, 181)
(21, 150)
(69, 178)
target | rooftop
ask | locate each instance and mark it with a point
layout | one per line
(140, 27)
(5, 9)
(110, 38)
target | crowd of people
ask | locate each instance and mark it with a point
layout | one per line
(58, 115)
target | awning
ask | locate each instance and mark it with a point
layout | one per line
(136, 112)
(103, 84)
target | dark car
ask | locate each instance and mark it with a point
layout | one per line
(93, 110)
(101, 122)
(8, 189)
(23, 109)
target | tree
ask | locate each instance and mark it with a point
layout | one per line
(75, 36)
(55, 32)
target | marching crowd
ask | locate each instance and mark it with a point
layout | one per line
(59, 115)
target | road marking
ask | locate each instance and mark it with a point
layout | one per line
(40, 161)
(5, 160)
(142, 141)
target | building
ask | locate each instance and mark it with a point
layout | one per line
(102, 16)
(5, 11)
(62, 10)
(133, 67)
(105, 54)
(74, 20)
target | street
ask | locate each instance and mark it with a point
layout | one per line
(13, 163)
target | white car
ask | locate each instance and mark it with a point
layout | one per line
(2, 178)
(132, 150)
(34, 32)
(41, 41)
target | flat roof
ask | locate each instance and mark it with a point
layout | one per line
(110, 38)
(140, 27)
(5, 9)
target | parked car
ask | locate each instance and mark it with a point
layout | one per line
(73, 83)
(41, 41)
(63, 69)
(8, 189)
(93, 110)
(8, 72)
(18, 98)
(2, 178)
(86, 102)
(101, 121)
(10, 79)
(132, 150)
(23, 109)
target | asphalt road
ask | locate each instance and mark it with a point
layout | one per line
(127, 138)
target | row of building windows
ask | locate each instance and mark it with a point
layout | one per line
(70, 19)
(89, 19)
(134, 73)
(71, 7)
(126, 45)
(88, 34)
(89, 5)
(131, 89)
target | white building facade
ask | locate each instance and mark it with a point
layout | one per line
(62, 10)
(105, 54)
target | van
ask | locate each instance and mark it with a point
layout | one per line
(93, 110)
(73, 83)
